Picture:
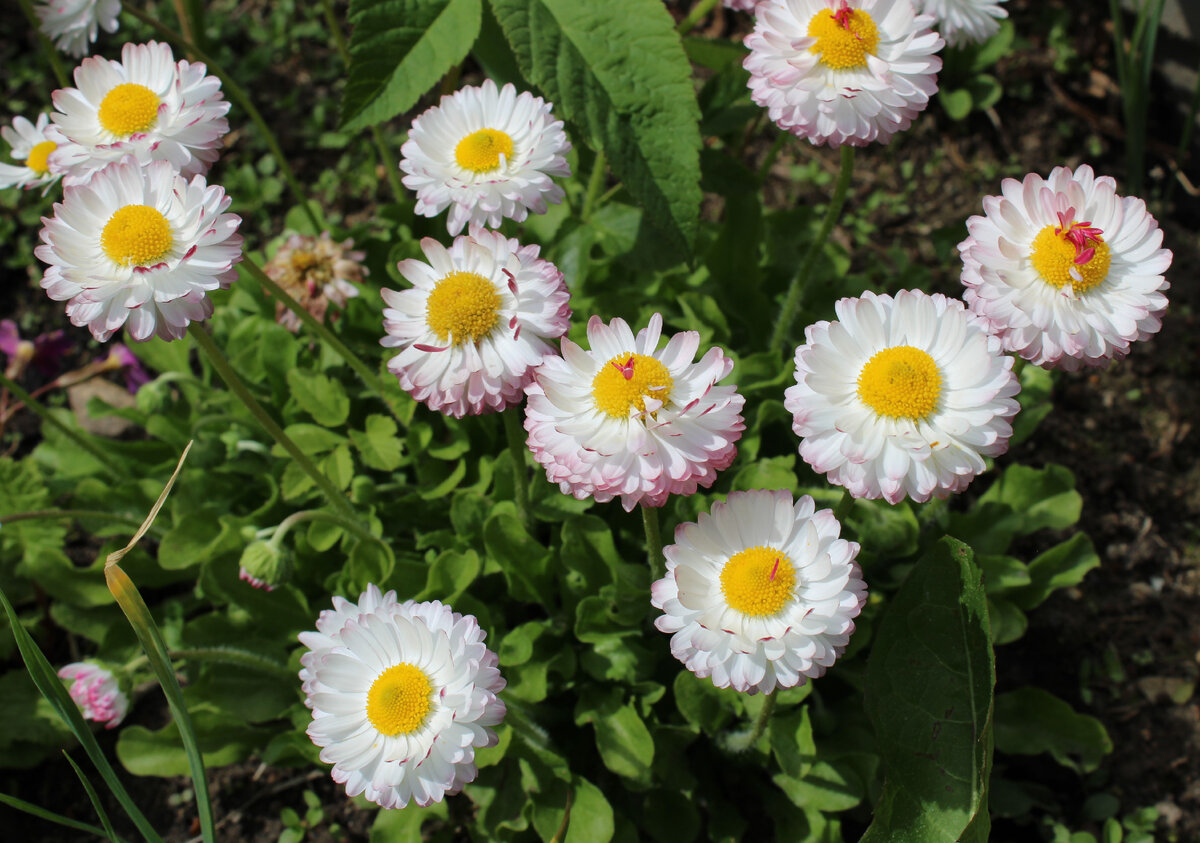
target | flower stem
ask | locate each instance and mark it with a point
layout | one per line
(239, 95)
(352, 525)
(595, 182)
(515, 434)
(75, 436)
(844, 506)
(654, 545)
(695, 15)
(795, 292)
(742, 741)
(336, 499)
(364, 372)
(47, 46)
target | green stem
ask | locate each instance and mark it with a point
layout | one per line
(654, 545)
(364, 372)
(595, 182)
(695, 15)
(335, 498)
(515, 434)
(842, 511)
(239, 95)
(47, 45)
(742, 741)
(791, 303)
(352, 525)
(75, 514)
(75, 436)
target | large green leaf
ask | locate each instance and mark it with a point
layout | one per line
(398, 51)
(617, 71)
(929, 696)
(1030, 721)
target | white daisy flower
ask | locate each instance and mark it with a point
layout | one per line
(140, 245)
(401, 696)
(486, 154)
(1066, 272)
(630, 419)
(965, 21)
(741, 5)
(761, 593)
(840, 72)
(97, 693)
(74, 24)
(475, 323)
(29, 144)
(147, 105)
(902, 396)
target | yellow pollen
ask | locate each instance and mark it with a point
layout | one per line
(480, 151)
(38, 159)
(758, 581)
(463, 307)
(626, 381)
(1053, 256)
(900, 382)
(127, 109)
(844, 38)
(399, 700)
(136, 235)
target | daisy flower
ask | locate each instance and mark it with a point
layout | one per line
(901, 396)
(475, 322)
(317, 272)
(140, 245)
(486, 154)
(761, 593)
(840, 72)
(630, 419)
(1066, 272)
(147, 105)
(965, 21)
(73, 24)
(96, 692)
(31, 145)
(402, 694)
(741, 5)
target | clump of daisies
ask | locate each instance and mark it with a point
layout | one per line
(74, 24)
(31, 146)
(842, 72)
(902, 397)
(316, 272)
(964, 22)
(1066, 272)
(761, 593)
(487, 155)
(402, 695)
(631, 420)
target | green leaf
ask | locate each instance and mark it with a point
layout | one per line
(198, 536)
(379, 445)
(767, 473)
(957, 102)
(1030, 721)
(1002, 573)
(450, 575)
(525, 562)
(591, 815)
(929, 697)
(617, 71)
(827, 787)
(405, 826)
(625, 744)
(221, 738)
(399, 49)
(703, 704)
(320, 396)
(792, 743)
(1063, 565)
(310, 439)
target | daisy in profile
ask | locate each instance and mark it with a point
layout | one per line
(317, 272)
(402, 694)
(146, 105)
(630, 419)
(97, 693)
(901, 397)
(487, 155)
(964, 22)
(139, 246)
(839, 72)
(73, 24)
(761, 593)
(475, 323)
(30, 146)
(1067, 273)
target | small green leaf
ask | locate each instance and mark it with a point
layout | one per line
(702, 704)
(222, 739)
(320, 396)
(379, 445)
(450, 575)
(957, 102)
(624, 742)
(1030, 721)
(827, 787)
(524, 562)
(310, 439)
(1064, 565)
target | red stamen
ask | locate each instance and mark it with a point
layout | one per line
(843, 15)
(626, 368)
(1081, 235)
(775, 570)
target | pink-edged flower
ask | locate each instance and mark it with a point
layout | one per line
(630, 419)
(317, 272)
(839, 72)
(32, 147)
(121, 359)
(96, 692)
(1067, 273)
(902, 397)
(74, 24)
(964, 22)
(475, 322)
(761, 594)
(402, 695)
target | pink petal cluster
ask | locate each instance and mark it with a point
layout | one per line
(96, 692)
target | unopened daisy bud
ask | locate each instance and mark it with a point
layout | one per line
(316, 272)
(264, 565)
(97, 693)
(74, 24)
(1067, 273)
(965, 21)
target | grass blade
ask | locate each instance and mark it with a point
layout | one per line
(49, 816)
(92, 795)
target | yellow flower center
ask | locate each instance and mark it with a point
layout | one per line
(399, 700)
(844, 38)
(38, 159)
(136, 235)
(900, 382)
(480, 151)
(464, 307)
(626, 381)
(1053, 255)
(128, 108)
(758, 581)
